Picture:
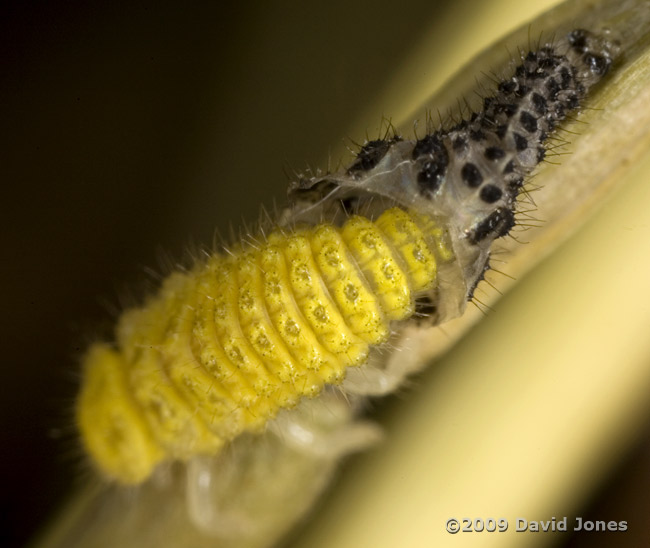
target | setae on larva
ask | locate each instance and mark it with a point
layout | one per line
(255, 339)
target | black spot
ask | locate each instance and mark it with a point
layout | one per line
(490, 194)
(522, 91)
(431, 177)
(494, 153)
(578, 40)
(549, 62)
(572, 101)
(510, 167)
(459, 144)
(560, 111)
(496, 224)
(597, 64)
(501, 131)
(521, 143)
(430, 144)
(433, 171)
(532, 56)
(477, 135)
(370, 155)
(528, 121)
(515, 184)
(537, 74)
(565, 78)
(509, 109)
(539, 103)
(553, 88)
(471, 175)
(508, 87)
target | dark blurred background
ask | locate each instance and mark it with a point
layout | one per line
(131, 132)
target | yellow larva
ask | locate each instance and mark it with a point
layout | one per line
(222, 348)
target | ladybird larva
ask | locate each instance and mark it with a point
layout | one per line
(222, 348)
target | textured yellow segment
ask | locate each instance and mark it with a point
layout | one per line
(374, 257)
(317, 306)
(406, 237)
(173, 422)
(354, 298)
(205, 331)
(255, 316)
(291, 324)
(222, 348)
(257, 327)
(203, 391)
(232, 340)
(145, 333)
(112, 426)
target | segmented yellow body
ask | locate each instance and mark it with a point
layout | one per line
(222, 348)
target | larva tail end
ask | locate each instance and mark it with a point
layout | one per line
(112, 430)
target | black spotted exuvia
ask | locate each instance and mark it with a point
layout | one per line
(250, 341)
